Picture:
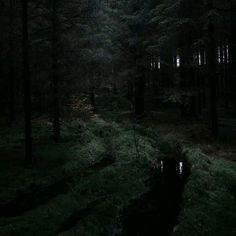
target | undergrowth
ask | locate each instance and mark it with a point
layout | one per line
(94, 194)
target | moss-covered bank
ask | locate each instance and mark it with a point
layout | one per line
(209, 199)
(80, 186)
(100, 171)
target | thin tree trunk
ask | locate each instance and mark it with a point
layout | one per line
(226, 76)
(199, 85)
(139, 84)
(203, 78)
(27, 83)
(11, 66)
(212, 67)
(232, 53)
(139, 95)
(55, 78)
(183, 84)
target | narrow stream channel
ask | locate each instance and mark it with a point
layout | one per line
(156, 213)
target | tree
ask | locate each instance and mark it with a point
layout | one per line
(212, 68)
(232, 49)
(55, 72)
(11, 61)
(27, 83)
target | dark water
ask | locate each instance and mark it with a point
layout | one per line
(156, 213)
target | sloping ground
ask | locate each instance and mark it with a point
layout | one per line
(100, 170)
(79, 186)
(209, 201)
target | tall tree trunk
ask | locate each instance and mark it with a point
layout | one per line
(55, 77)
(139, 84)
(203, 77)
(27, 83)
(232, 52)
(226, 75)
(199, 85)
(92, 88)
(212, 67)
(183, 81)
(11, 66)
(139, 95)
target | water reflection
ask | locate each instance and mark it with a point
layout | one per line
(156, 213)
(179, 166)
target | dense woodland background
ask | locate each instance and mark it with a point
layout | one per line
(65, 61)
(179, 54)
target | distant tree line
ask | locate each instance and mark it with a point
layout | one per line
(176, 52)
(191, 45)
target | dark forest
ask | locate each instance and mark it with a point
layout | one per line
(118, 118)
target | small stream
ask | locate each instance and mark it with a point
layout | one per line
(156, 213)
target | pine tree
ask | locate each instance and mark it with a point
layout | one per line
(27, 83)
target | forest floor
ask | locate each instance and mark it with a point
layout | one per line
(78, 187)
(210, 192)
(209, 198)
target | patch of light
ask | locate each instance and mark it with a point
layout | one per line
(162, 166)
(181, 167)
(219, 54)
(159, 63)
(227, 53)
(199, 59)
(223, 54)
(178, 61)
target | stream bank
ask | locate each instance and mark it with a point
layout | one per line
(156, 212)
(144, 195)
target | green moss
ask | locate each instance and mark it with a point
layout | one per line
(45, 219)
(208, 201)
(115, 184)
(208, 204)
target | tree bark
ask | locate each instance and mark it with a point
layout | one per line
(11, 66)
(212, 67)
(55, 77)
(139, 83)
(27, 83)
(139, 95)
(232, 53)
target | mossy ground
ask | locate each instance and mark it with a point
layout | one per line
(85, 193)
(209, 198)
(209, 201)
(88, 192)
